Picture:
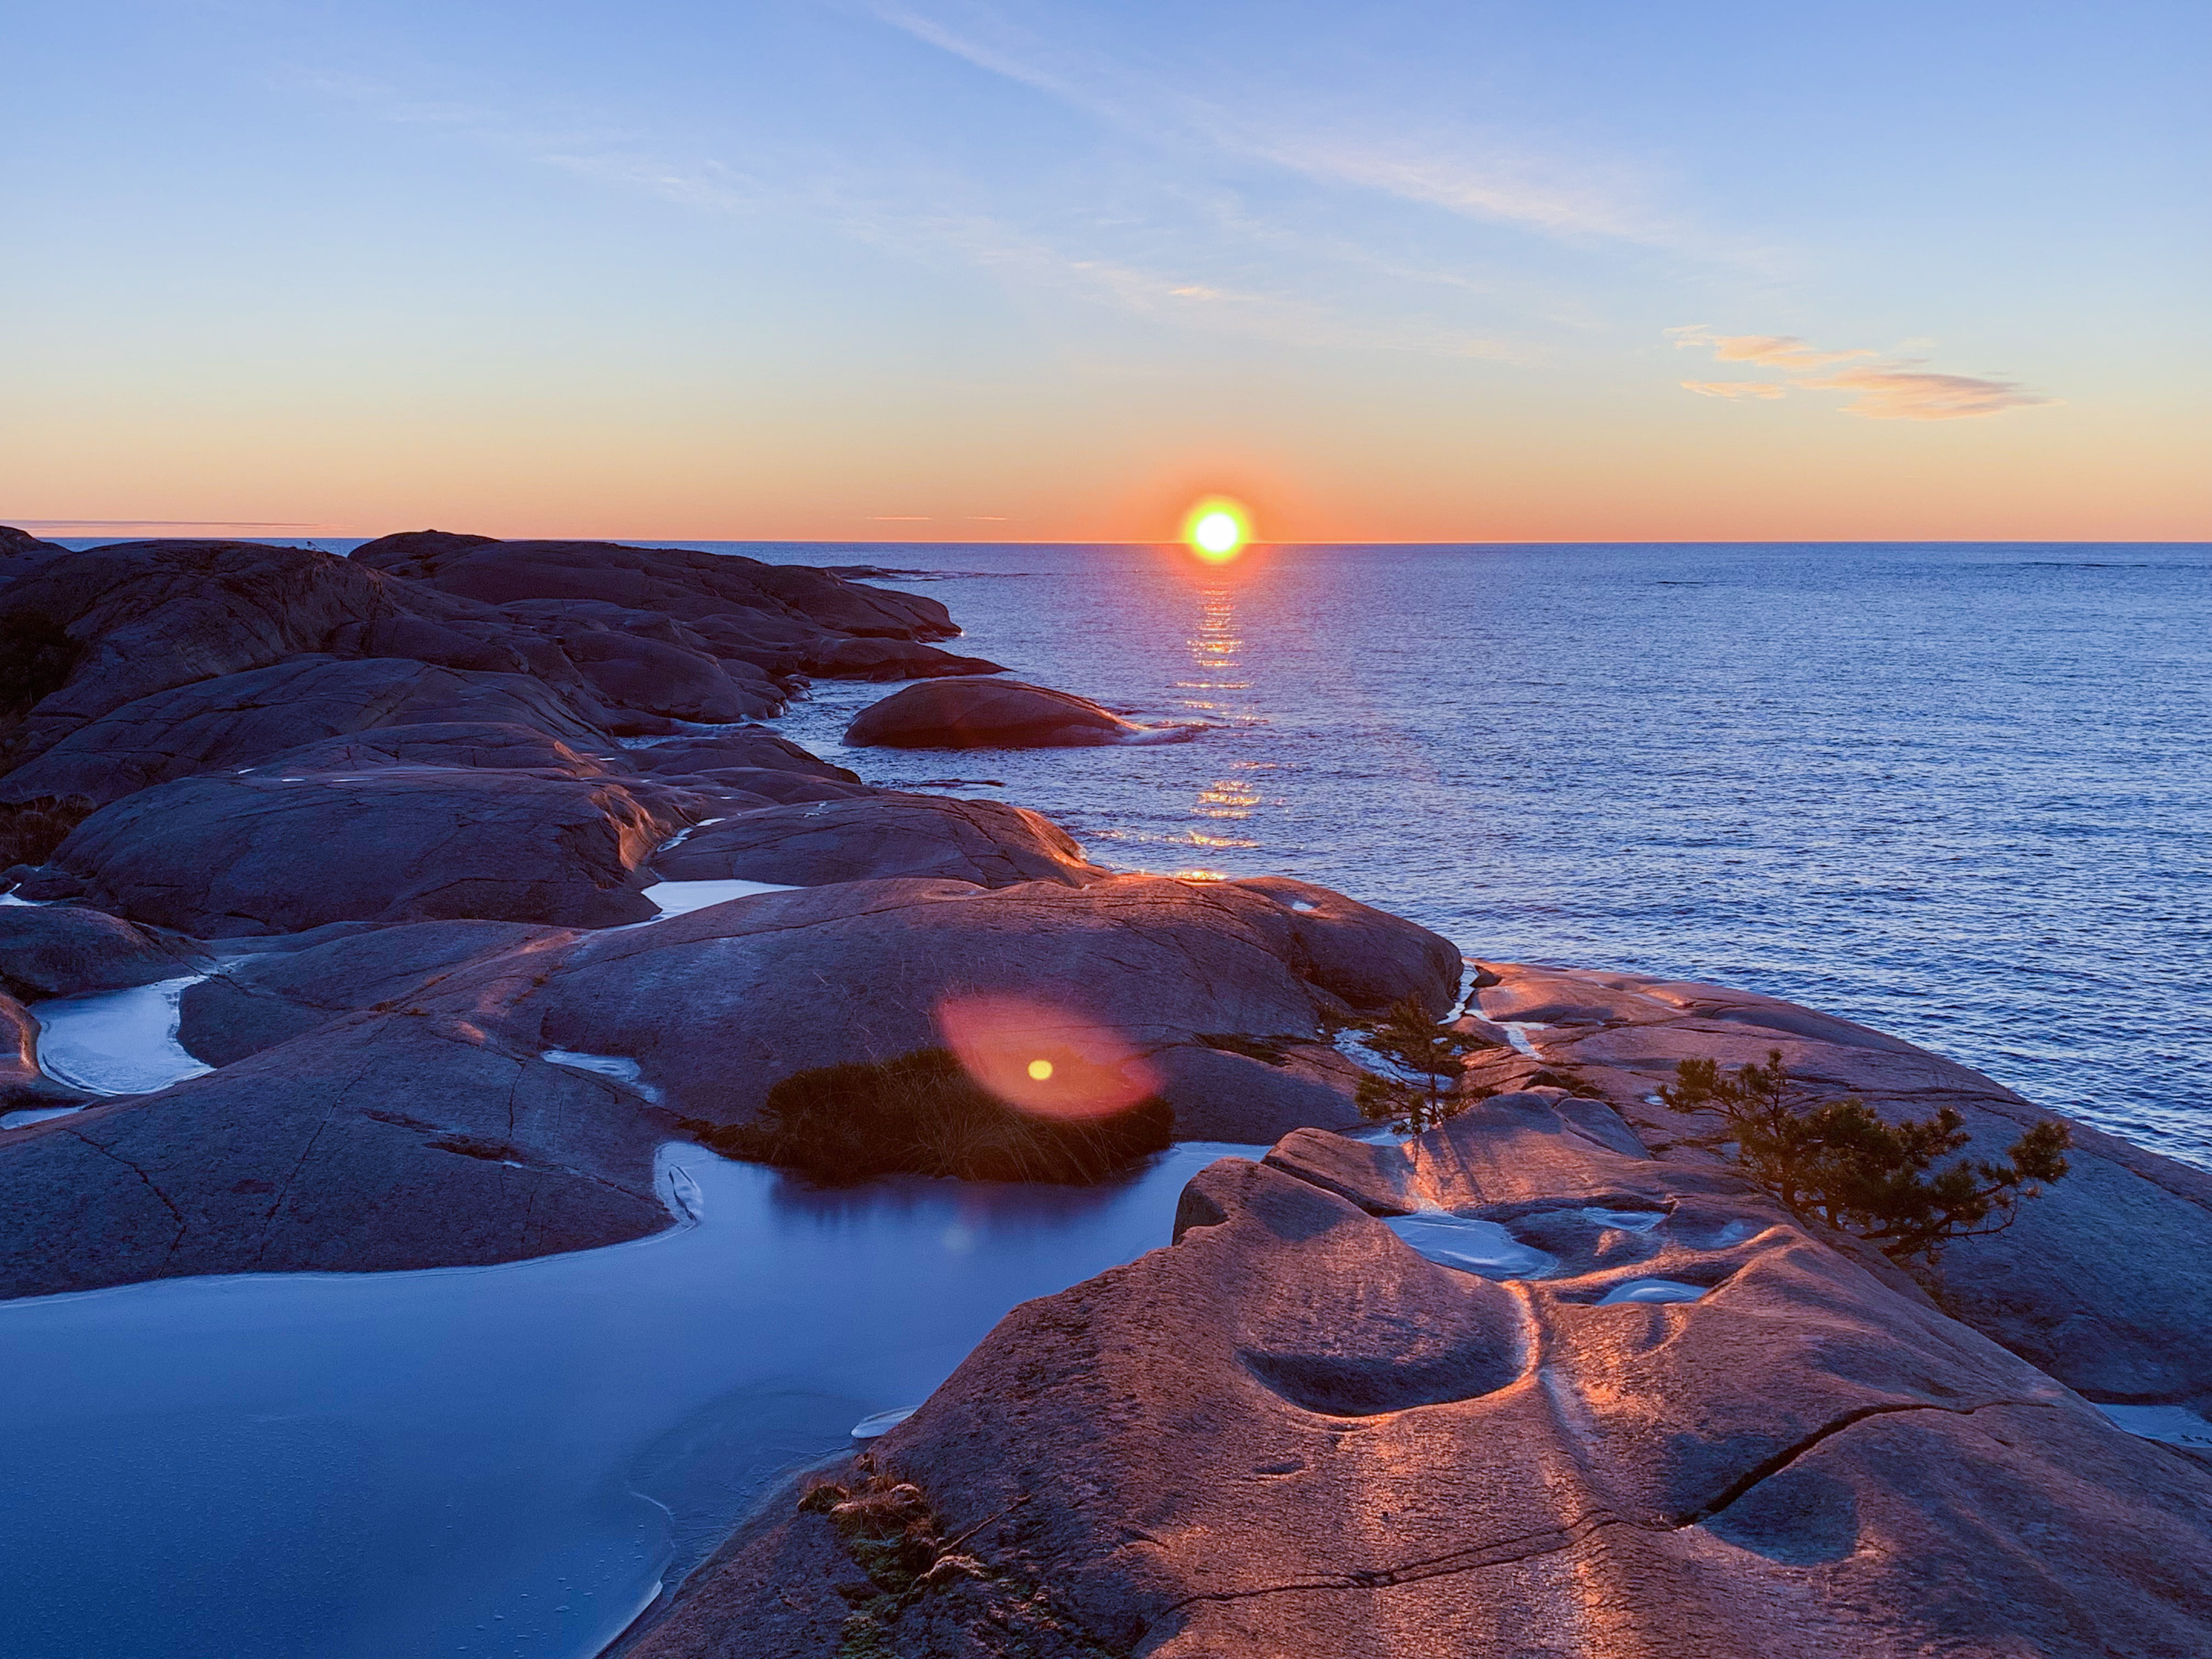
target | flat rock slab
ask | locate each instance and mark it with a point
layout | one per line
(2096, 1280)
(881, 836)
(241, 719)
(271, 852)
(982, 713)
(1296, 1433)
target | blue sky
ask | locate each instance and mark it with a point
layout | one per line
(973, 271)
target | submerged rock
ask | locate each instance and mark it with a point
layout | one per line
(978, 714)
(1296, 1433)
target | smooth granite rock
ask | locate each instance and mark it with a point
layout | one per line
(63, 950)
(982, 714)
(379, 1142)
(676, 581)
(1301, 1432)
(241, 719)
(269, 853)
(2094, 1281)
(259, 999)
(747, 746)
(877, 837)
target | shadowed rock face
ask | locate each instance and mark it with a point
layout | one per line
(271, 852)
(1299, 1431)
(675, 581)
(977, 714)
(60, 950)
(241, 719)
(23, 1086)
(2092, 1281)
(748, 747)
(880, 836)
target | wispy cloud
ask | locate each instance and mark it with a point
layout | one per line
(1903, 394)
(1456, 171)
(1767, 351)
(1889, 389)
(1735, 388)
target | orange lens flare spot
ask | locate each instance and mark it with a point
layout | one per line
(1042, 1058)
(1217, 528)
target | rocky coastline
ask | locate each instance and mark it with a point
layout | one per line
(456, 878)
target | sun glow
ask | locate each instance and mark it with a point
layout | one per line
(1217, 528)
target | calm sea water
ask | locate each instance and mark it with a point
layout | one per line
(1962, 793)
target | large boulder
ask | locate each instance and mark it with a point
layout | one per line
(984, 841)
(241, 720)
(718, 1006)
(1503, 1391)
(381, 1142)
(2084, 1283)
(64, 950)
(984, 714)
(269, 853)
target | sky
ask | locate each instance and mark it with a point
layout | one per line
(967, 270)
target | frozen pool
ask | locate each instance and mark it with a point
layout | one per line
(117, 1042)
(494, 1460)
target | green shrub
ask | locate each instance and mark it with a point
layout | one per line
(1837, 1163)
(1435, 1055)
(922, 1114)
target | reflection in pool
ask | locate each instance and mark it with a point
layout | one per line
(494, 1461)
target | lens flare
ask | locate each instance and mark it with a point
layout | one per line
(1042, 1059)
(1217, 528)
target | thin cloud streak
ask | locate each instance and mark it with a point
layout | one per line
(1736, 388)
(1888, 390)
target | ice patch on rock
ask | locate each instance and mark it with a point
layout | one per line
(680, 898)
(868, 1428)
(1517, 1033)
(1651, 1290)
(1625, 1221)
(117, 1042)
(9, 898)
(618, 1067)
(2177, 1425)
(24, 1119)
(1471, 1246)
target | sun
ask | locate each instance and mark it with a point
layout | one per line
(1217, 528)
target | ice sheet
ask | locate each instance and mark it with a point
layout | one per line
(2177, 1425)
(497, 1461)
(25, 1119)
(1651, 1290)
(1471, 1246)
(678, 898)
(117, 1042)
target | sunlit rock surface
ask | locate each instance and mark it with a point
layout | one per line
(1293, 1433)
(2100, 1280)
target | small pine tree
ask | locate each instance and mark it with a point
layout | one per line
(1434, 1054)
(1837, 1163)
